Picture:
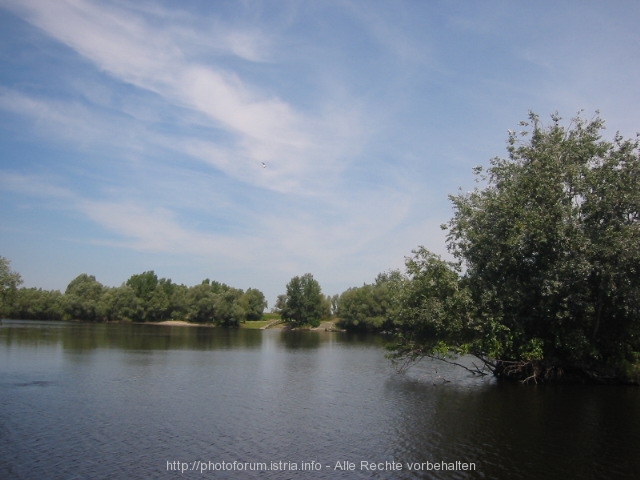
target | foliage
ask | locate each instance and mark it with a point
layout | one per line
(552, 250)
(281, 302)
(433, 311)
(36, 304)
(9, 282)
(253, 303)
(120, 304)
(550, 247)
(153, 297)
(200, 301)
(143, 284)
(370, 307)
(304, 303)
(82, 298)
(142, 298)
(228, 310)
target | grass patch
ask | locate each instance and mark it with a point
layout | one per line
(255, 324)
(266, 319)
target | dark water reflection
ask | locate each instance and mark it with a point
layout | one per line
(126, 401)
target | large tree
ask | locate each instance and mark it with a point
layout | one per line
(37, 304)
(371, 307)
(253, 303)
(120, 304)
(432, 311)
(9, 282)
(227, 308)
(304, 302)
(551, 247)
(82, 298)
(549, 244)
(200, 301)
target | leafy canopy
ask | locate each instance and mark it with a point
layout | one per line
(9, 282)
(304, 303)
(550, 246)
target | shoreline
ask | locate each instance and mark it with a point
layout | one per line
(177, 323)
(327, 326)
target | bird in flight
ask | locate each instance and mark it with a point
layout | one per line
(264, 165)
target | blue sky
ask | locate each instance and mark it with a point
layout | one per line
(132, 133)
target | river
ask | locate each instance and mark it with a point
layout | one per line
(84, 401)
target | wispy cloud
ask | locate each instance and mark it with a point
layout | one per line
(127, 223)
(33, 185)
(267, 140)
(259, 126)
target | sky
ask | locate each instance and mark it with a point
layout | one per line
(252, 141)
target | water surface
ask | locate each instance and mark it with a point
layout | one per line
(139, 401)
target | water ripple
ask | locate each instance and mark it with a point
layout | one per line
(119, 412)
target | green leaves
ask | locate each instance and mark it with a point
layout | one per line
(9, 282)
(82, 298)
(303, 303)
(432, 312)
(143, 298)
(253, 303)
(371, 307)
(552, 245)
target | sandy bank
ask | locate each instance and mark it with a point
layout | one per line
(180, 323)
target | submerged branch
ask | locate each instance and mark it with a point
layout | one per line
(474, 371)
(403, 360)
(523, 371)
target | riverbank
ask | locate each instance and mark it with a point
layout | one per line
(326, 326)
(179, 323)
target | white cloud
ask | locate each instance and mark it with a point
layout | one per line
(161, 119)
(154, 229)
(229, 101)
(32, 185)
(260, 127)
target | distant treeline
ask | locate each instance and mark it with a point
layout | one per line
(142, 298)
